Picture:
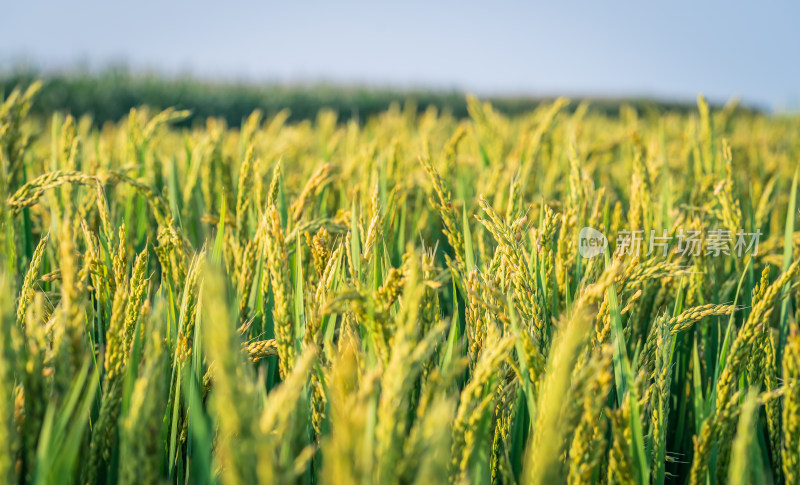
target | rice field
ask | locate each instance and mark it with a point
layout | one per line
(555, 297)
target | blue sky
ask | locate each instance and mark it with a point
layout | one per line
(672, 50)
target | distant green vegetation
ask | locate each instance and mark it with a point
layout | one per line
(109, 96)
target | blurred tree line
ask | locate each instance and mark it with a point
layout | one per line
(109, 95)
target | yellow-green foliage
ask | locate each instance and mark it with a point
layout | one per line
(399, 300)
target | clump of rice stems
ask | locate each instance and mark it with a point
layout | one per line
(526, 290)
(124, 315)
(375, 225)
(734, 363)
(409, 351)
(315, 183)
(535, 143)
(763, 207)
(163, 118)
(372, 308)
(430, 308)
(450, 150)
(173, 252)
(252, 251)
(427, 450)
(35, 374)
(325, 287)
(114, 364)
(157, 203)
(140, 427)
(233, 392)
(504, 411)
(703, 441)
(320, 249)
(313, 332)
(138, 288)
(550, 432)
(170, 238)
(588, 441)
(442, 203)
(105, 214)
(544, 246)
(188, 309)
(275, 422)
(598, 292)
(620, 461)
(70, 333)
(790, 449)
(8, 433)
(274, 186)
(247, 274)
(250, 127)
(243, 192)
(565, 249)
(490, 127)
(119, 258)
(351, 392)
(514, 205)
(640, 214)
(762, 369)
(277, 262)
(94, 269)
(731, 212)
(475, 399)
(576, 194)
(741, 470)
(475, 324)
(13, 138)
(659, 398)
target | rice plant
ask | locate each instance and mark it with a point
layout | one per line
(560, 296)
